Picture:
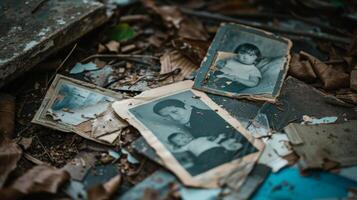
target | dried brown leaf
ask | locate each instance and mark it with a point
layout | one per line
(10, 154)
(193, 49)
(192, 29)
(301, 69)
(113, 46)
(41, 179)
(101, 48)
(348, 96)
(173, 17)
(25, 143)
(173, 60)
(330, 77)
(170, 14)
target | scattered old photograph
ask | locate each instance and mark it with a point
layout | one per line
(244, 62)
(70, 103)
(192, 134)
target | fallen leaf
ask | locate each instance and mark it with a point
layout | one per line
(128, 48)
(25, 143)
(193, 49)
(348, 96)
(40, 179)
(157, 39)
(113, 46)
(172, 16)
(10, 154)
(121, 32)
(101, 48)
(105, 191)
(174, 60)
(331, 78)
(192, 29)
(301, 69)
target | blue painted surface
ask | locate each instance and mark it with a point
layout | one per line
(289, 184)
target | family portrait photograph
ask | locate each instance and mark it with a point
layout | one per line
(193, 133)
(243, 61)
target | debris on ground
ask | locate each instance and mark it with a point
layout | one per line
(40, 179)
(325, 145)
(127, 99)
(10, 154)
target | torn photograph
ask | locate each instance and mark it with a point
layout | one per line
(75, 106)
(244, 62)
(197, 139)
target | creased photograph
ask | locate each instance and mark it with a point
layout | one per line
(244, 62)
(197, 139)
(75, 106)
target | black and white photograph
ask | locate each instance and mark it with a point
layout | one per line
(191, 131)
(243, 61)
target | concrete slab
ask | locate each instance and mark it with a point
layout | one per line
(31, 30)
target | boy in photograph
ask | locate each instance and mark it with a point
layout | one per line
(240, 71)
(206, 148)
(199, 122)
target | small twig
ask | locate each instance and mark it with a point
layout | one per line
(62, 63)
(118, 56)
(136, 81)
(33, 159)
(218, 17)
(165, 76)
(39, 5)
(331, 62)
(131, 18)
(25, 129)
(44, 149)
(114, 81)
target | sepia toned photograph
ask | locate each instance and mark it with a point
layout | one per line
(244, 62)
(191, 132)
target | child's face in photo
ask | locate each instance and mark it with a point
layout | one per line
(182, 139)
(247, 58)
(231, 145)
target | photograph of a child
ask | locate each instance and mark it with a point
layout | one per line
(239, 71)
(192, 132)
(220, 148)
(243, 61)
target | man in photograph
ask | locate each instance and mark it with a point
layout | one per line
(199, 122)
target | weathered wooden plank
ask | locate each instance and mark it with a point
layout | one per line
(29, 33)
